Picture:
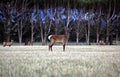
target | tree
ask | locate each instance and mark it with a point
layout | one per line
(68, 17)
(6, 9)
(109, 16)
(98, 23)
(54, 17)
(33, 20)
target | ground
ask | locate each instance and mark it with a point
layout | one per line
(76, 61)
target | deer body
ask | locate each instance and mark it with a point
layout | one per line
(8, 43)
(28, 42)
(58, 38)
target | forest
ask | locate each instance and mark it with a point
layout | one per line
(89, 21)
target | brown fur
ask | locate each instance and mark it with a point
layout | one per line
(8, 43)
(58, 38)
(101, 42)
(28, 42)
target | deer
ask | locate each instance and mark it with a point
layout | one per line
(58, 39)
(28, 42)
(101, 42)
(8, 43)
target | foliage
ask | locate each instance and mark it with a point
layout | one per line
(52, 16)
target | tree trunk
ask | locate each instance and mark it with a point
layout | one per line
(88, 33)
(98, 25)
(107, 31)
(109, 18)
(77, 38)
(20, 33)
(56, 29)
(77, 33)
(116, 40)
(32, 33)
(97, 38)
(19, 36)
(8, 30)
(45, 35)
(41, 32)
(68, 17)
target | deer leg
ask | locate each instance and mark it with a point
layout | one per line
(63, 47)
(50, 46)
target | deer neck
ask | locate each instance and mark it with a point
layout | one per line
(68, 35)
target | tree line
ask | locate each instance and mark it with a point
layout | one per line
(89, 20)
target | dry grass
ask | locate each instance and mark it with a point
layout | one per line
(76, 61)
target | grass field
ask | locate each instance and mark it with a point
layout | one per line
(76, 61)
